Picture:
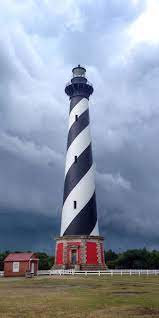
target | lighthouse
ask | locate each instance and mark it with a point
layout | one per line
(79, 246)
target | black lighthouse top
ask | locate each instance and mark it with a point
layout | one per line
(79, 86)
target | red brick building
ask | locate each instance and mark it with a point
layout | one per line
(83, 252)
(17, 264)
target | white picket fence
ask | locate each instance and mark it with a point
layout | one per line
(111, 272)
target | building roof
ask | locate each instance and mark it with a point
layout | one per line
(17, 257)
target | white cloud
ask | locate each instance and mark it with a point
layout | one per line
(146, 27)
(35, 154)
(113, 182)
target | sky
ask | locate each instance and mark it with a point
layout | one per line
(118, 43)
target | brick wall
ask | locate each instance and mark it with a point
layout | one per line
(91, 254)
(8, 269)
(102, 253)
(59, 254)
(23, 267)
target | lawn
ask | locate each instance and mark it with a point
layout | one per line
(79, 297)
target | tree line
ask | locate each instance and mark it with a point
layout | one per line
(130, 259)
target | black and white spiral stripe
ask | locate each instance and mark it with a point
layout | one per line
(79, 185)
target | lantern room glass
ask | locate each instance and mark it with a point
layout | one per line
(79, 71)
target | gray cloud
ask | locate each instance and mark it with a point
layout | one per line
(40, 43)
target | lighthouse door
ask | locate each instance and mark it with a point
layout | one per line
(74, 257)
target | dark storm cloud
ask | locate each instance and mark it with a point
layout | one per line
(27, 231)
(30, 183)
(40, 42)
(128, 180)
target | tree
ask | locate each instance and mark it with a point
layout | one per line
(135, 259)
(45, 261)
(3, 255)
(110, 258)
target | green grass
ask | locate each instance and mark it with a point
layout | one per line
(84, 297)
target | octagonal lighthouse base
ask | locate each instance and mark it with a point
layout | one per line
(80, 252)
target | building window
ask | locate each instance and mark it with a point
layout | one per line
(75, 204)
(15, 267)
(75, 159)
(76, 117)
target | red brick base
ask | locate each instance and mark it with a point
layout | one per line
(80, 252)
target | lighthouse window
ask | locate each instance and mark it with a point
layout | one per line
(76, 117)
(75, 159)
(75, 204)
